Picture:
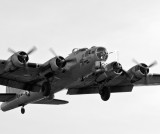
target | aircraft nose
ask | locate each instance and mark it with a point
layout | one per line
(102, 53)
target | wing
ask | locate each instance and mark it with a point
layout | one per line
(152, 79)
(20, 77)
(51, 102)
(6, 97)
(123, 84)
(119, 84)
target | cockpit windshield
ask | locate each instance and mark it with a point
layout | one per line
(102, 53)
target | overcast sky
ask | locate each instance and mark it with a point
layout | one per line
(130, 26)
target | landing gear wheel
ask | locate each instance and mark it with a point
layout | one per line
(105, 93)
(22, 110)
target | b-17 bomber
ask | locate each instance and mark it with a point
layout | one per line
(84, 71)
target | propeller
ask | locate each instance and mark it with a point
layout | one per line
(29, 52)
(23, 56)
(53, 52)
(32, 50)
(146, 68)
(149, 66)
(153, 64)
(62, 62)
(11, 51)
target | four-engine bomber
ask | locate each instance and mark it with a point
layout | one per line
(84, 71)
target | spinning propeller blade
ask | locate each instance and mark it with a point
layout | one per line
(53, 52)
(32, 50)
(153, 64)
(11, 50)
(64, 60)
(147, 67)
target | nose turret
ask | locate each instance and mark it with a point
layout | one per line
(101, 53)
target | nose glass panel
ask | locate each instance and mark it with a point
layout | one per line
(102, 54)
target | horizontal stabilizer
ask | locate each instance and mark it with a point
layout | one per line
(51, 102)
(6, 97)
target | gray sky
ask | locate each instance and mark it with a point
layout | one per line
(131, 27)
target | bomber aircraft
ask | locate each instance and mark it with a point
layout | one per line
(84, 71)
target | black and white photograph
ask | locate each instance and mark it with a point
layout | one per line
(80, 66)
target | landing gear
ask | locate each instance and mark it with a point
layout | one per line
(22, 110)
(105, 93)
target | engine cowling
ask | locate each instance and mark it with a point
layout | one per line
(112, 70)
(19, 59)
(57, 63)
(138, 72)
(114, 67)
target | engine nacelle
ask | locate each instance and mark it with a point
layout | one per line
(18, 59)
(138, 72)
(57, 63)
(114, 67)
(53, 65)
(112, 70)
